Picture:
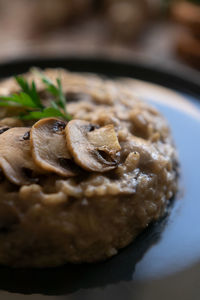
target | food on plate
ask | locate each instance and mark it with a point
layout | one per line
(85, 166)
(92, 148)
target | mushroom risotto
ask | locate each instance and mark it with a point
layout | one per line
(78, 190)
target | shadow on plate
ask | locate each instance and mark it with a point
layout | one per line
(70, 278)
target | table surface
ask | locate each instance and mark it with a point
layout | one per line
(156, 43)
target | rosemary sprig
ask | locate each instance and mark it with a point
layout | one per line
(29, 100)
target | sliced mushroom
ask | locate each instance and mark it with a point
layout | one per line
(49, 149)
(3, 129)
(92, 148)
(15, 156)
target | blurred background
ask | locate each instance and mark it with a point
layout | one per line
(167, 31)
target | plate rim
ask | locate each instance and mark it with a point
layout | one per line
(179, 78)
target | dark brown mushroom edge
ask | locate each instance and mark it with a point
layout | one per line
(78, 191)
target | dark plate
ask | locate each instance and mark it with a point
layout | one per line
(164, 261)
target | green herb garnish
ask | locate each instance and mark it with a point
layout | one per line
(29, 100)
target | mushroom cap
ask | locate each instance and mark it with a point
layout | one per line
(49, 147)
(15, 156)
(92, 148)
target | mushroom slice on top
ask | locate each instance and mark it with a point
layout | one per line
(3, 129)
(49, 148)
(92, 148)
(15, 156)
